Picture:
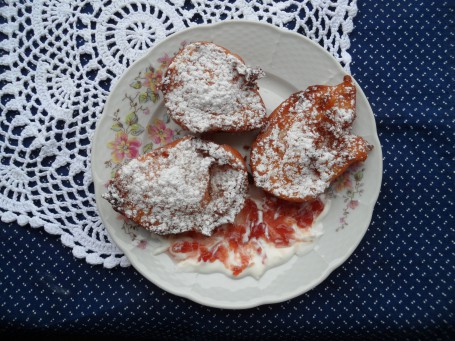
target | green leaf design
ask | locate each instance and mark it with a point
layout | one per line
(143, 97)
(117, 126)
(154, 97)
(358, 176)
(131, 118)
(136, 129)
(136, 85)
(148, 148)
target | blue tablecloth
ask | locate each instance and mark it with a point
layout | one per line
(398, 283)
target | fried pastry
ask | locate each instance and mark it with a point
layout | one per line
(187, 185)
(207, 88)
(307, 143)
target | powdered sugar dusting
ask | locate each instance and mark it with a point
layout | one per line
(193, 185)
(308, 142)
(208, 89)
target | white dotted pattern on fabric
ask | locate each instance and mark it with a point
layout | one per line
(398, 285)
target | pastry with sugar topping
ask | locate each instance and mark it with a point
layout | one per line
(187, 185)
(307, 142)
(207, 88)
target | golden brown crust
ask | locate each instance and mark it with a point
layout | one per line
(318, 118)
(189, 85)
(189, 184)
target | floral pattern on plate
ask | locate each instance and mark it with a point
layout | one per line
(280, 54)
(350, 185)
(161, 131)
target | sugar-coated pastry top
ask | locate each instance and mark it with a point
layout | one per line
(307, 142)
(188, 185)
(207, 88)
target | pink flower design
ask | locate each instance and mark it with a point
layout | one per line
(152, 78)
(353, 204)
(342, 182)
(122, 217)
(159, 133)
(123, 147)
(165, 60)
(142, 244)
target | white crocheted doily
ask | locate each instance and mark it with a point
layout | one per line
(58, 59)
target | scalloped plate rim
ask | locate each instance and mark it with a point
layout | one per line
(259, 300)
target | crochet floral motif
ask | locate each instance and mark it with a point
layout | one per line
(61, 58)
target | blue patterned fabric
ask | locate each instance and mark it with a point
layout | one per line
(397, 284)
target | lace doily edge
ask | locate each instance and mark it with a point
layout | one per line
(110, 261)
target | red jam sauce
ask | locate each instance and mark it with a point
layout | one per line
(274, 222)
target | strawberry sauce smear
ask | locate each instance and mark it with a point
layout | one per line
(260, 227)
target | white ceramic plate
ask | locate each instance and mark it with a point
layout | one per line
(134, 121)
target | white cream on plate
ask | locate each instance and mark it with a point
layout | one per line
(270, 255)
